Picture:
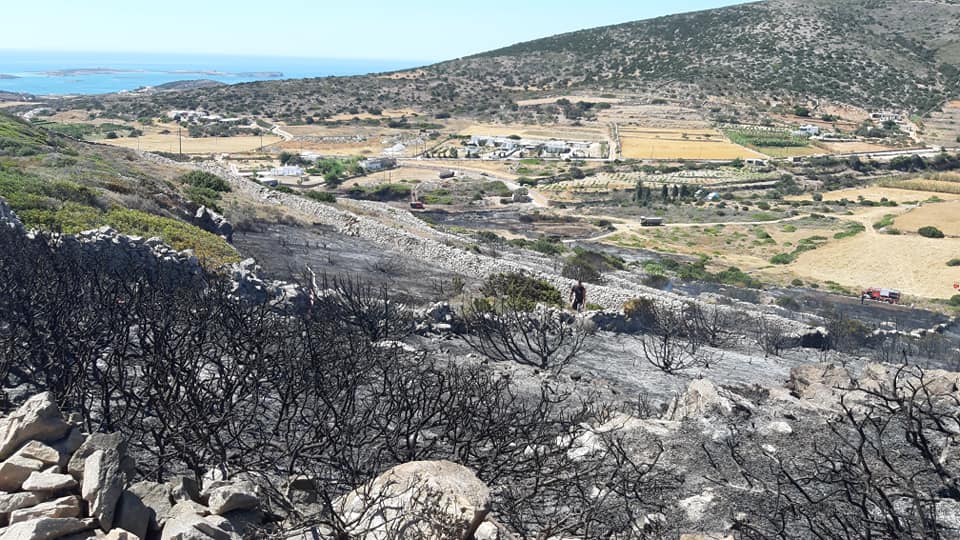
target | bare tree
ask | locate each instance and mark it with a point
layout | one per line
(506, 332)
(770, 334)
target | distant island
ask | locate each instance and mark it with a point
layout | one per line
(246, 74)
(184, 85)
(5, 77)
(87, 71)
(110, 71)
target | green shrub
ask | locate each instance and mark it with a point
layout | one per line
(581, 270)
(885, 222)
(930, 232)
(382, 192)
(320, 196)
(521, 291)
(852, 229)
(955, 300)
(783, 258)
(202, 179)
(202, 196)
(953, 262)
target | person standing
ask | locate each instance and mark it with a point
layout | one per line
(578, 293)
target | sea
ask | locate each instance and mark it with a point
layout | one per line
(83, 73)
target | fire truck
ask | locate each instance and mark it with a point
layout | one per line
(889, 296)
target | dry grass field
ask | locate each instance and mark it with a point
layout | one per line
(370, 147)
(500, 169)
(748, 247)
(659, 143)
(580, 133)
(5, 104)
(389, 113)
(944, 183)
(944, 216)
(394, 175)
(908, 262)
(853, 147)
(155, 142)
(875, 193)
(572, 99)
(915, 265)
(789, 151)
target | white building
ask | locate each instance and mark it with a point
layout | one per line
(378, 164)
(287, 170)
(807, 131)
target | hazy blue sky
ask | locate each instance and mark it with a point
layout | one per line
(388, 29)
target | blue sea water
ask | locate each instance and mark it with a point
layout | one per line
(73, 73)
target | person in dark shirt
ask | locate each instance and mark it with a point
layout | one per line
(578, 293)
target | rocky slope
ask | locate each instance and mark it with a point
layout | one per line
(874, 54)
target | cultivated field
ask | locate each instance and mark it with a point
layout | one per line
(655, 143)
(628, 180)
(942, 183)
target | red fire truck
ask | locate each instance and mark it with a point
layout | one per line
(889, 296)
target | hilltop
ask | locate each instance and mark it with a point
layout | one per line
(871, 54)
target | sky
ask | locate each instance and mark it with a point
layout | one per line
(423, 30)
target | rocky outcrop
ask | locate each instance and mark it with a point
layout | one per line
(819, 383)
(8, 218)
(57, 483)
(414, 498)
(38, 419)
(703, 398)
(210, 221)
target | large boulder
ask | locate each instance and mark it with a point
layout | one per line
(14, 501)
(156, 498)
(102, 486)
(108, 442)
(40, 452)
(414, 498)
(38, 419)
(186, 522)
(704, 398)
(64, 507)
(15, 470)
(233, 496)
(132, 515)
(49, 482)
(909, 380)
(45, 528)
(818, 382)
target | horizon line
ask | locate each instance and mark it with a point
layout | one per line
(223, 54)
